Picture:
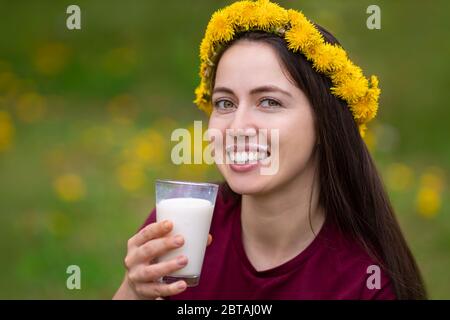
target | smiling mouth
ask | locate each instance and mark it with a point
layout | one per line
(247, 154)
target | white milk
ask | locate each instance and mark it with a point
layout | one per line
(191, 218)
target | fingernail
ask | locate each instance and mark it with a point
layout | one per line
(182, 260)
(181, 285)
(166, 224)
(178, 240)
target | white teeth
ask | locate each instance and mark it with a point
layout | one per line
(262, 155)
(243, 157)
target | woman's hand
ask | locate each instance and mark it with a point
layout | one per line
(143, 272)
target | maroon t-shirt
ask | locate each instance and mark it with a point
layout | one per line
(331, 267)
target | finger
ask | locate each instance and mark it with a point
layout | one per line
(152, 249)
(153, 272)
(158, 289)
(209, 239)
(152, 231)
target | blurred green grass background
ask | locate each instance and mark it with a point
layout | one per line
(86, 117)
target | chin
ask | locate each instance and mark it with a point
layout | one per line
(249, 183)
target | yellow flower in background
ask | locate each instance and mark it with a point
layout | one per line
(147, 148)
(69, 187)
(131, 176)
(429, 196)
(362, 128)
(399, 176)
(433, 177)
(31, 107)
(6, 131)
(123, 109)
(51, 58)
(428, 202)
(370, 138)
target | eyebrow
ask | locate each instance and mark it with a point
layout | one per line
(255, 90)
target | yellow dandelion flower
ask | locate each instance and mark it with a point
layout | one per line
(365, 109)
(206, 48)
(352, 89)
(219, 28)
(201, 98)
(433, 178)
(131, 176)
(303, 37)
(295, 17)
(374, 81)
(6, 131)
(428, 202)
(369, 137)
(69, 187)
(329, 57)
(269, 15)
(362, 128)
(399, 176)
(148, 148)
(51, 58)
(348, 71)
(242, 14)
(205, 71)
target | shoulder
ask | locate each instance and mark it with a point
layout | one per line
(357, 275)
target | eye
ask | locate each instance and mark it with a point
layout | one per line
(269, 103)
(223, 105)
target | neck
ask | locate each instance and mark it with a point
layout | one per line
(284, 222)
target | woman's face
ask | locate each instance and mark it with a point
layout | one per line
(253, 99)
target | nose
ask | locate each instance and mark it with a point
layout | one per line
(242, 123)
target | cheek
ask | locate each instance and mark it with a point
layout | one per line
(218, 127)
(297, 141)
(218, 123)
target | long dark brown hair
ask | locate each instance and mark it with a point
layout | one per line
(351, 190)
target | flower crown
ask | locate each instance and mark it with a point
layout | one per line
(348, 81)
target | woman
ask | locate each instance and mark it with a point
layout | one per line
(321, 226)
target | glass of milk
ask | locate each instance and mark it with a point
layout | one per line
(190, 206)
